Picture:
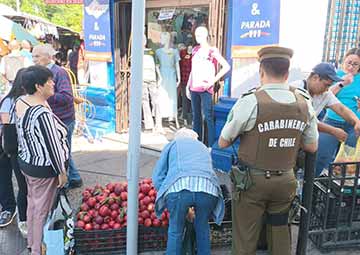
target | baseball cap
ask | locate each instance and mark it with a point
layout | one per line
(326, 70)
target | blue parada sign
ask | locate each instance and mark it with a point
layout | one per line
(254, 23)
(97, 30)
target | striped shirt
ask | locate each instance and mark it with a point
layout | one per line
(42, 140)
(194, 184)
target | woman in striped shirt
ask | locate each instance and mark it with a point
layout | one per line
(43, 150)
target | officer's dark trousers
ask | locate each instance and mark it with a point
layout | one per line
(273, 195)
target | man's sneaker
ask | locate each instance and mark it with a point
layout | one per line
(73, 184)
(22, 226)
(6, 218)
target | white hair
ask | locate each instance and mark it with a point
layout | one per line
(186, 133)
(45, 49)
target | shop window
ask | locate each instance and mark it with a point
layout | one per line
(179, 22)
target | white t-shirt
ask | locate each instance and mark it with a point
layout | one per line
(319, 102)
(149, 66)
(27, 62)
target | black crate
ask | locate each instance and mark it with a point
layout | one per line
(335, 214)
(104, 242)
(220, 236)
(335, 239)
(332, 210)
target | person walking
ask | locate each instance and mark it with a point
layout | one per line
(273, 123)
(348, 93)
(183, 178)
(43, 150)
(61, 103)
(26, 50)
(8, 163)
(11, 63)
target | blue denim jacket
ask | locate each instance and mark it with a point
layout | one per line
(184, 157)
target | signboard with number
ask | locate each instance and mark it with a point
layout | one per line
(97, 32)
(166, 14)
(254, 24)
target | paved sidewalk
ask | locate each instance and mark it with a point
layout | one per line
(105, 161)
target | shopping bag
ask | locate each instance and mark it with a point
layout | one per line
(58, 230)
(347, 154)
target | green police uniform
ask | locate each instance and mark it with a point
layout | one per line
(271, 194)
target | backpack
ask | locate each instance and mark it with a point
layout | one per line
(12, 66)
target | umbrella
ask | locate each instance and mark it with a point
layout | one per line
(10, 30)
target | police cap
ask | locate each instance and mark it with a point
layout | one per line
(274, 52)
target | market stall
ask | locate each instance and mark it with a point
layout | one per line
(38, 28)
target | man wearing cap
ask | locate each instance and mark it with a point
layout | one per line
(317, 84)
(273, 123)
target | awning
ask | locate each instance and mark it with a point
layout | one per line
(10, 30)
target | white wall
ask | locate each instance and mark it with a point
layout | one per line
(302, 28)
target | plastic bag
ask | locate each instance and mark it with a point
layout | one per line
(346, 154)
(58, 230)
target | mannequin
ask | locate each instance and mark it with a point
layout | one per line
(203, 76)
(169, 70)
(185, 69)
(150, 92)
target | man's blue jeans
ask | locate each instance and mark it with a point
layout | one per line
(328, 144)
(73, 173)
(201, 103)
(178, 204)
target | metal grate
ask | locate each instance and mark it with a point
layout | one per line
(335, 216)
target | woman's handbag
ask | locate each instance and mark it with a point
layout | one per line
(58, 231)
(9, 139)
(9, 135)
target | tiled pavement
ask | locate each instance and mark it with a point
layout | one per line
(103, 162)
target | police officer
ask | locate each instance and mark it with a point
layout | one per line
(273, 124)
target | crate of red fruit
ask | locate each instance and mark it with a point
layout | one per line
(102, 217)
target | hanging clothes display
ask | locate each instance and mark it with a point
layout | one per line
(167, 59)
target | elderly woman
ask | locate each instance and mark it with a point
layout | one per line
(183, 178)
(43, 150)
(348, 93)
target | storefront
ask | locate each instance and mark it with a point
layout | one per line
(177, 17)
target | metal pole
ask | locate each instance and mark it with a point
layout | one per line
(310, 159)
(17, 5)
(137, 49)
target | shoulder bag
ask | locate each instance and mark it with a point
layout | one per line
(9, 135)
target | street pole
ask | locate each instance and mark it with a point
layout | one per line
(307, 195)
(17, 5)
(136, 81)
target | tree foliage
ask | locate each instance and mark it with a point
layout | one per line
(60, 14)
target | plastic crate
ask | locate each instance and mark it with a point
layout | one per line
(332, 210)
(335, 214)
(106, 242)
(221, 236)
(223, 158)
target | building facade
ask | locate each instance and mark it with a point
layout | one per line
(342, 29)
